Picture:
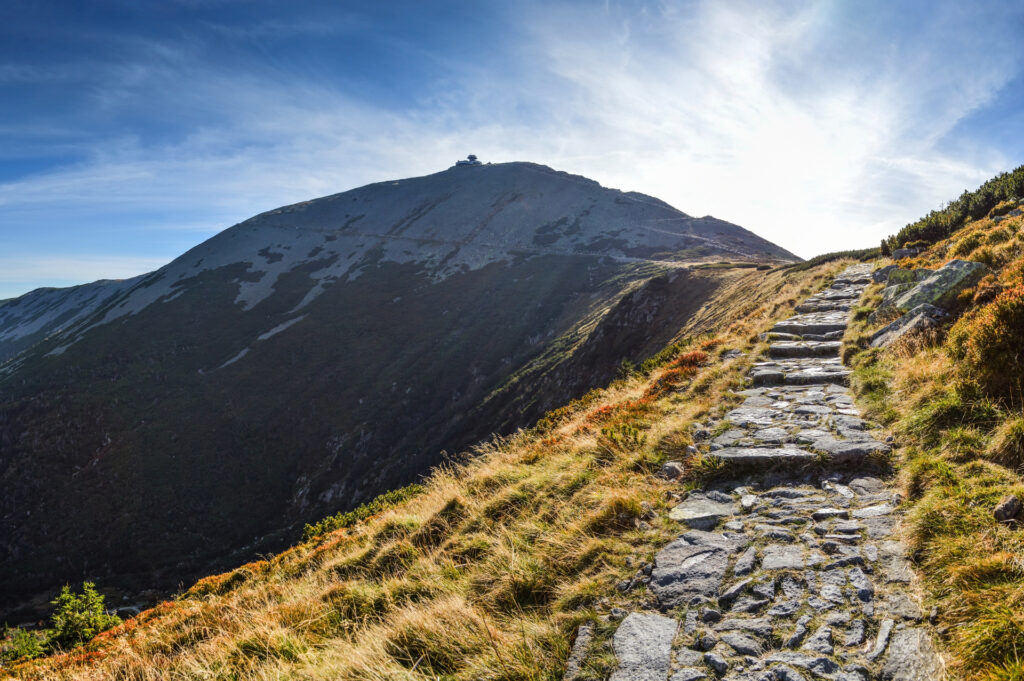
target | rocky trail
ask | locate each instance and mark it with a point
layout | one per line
(792, 571)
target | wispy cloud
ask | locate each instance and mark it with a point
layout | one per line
(820, 126)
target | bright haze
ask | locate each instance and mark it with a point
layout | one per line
(130, 132)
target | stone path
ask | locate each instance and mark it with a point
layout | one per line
(791, 572)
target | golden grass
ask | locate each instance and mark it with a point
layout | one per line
(485, 574)
(960, 453)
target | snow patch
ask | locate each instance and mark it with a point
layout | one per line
(279, 328)
(234, 359)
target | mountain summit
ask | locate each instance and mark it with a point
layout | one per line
(315, 355)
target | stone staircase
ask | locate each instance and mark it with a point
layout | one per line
(790, 572)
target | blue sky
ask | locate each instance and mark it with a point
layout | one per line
(132, 130)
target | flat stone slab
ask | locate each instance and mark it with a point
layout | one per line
(643, 646)
(782, 557)
(701, 513)
(804, 349)
(912, 657)
(763, 456)
(693, 565)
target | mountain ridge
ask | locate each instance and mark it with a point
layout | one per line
(292, 366)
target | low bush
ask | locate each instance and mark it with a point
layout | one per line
(78, 617)
(362, 512)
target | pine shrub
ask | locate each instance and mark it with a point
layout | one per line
(79, 617)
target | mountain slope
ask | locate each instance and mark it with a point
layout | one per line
(315, 355)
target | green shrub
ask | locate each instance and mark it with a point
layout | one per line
(78, 617)
(987, 344)
(939, 224)
(379, 503)
(20, 644)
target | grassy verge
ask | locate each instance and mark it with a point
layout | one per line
(961, 449)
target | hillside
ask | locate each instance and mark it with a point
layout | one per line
(487, 572)
(309, 358)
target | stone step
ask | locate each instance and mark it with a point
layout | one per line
(824, 306)
(785, 349)
(795, 373)
(799, 327)
(763, 456)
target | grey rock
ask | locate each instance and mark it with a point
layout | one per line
(734, 525)
(873, 511)
(720, 497)
(784, 672)
(804, 349)
(829, 513)
(820, 642)
(764, 589)
(882, 274)
(742, 644)
(701, 513)
(867, 486)
(745, 563)
(856, 634)
(759, 626)
(763, 456)
(689, 674)
(716, 662)
(792, 588)
(921, 318)
(860, 582)
(784, 608)
(748, 502)
(578, 654)
(818, 665)
(881, 641)
(782, 557)
(689, 658)
(683, 570)
(902, 606)
(901, 253)
(846, 451)
(733, 591)
(747, 604)
(672, 470)
(943, 285)
(912, 657)
(710, 616)
(617, 614)
(643, 646)
(705, 641)
(1007, 508)
(799, 632)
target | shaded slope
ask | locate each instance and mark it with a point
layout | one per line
(307, 359)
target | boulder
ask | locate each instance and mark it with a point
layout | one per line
(672, 470)
(1007, 508)
(922, 317)
(908, 276)
(901, 253)
(882, 273)
(943, 286)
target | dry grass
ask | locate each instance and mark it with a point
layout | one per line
(485, 574)
(960, 453)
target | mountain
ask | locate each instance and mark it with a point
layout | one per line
(315, 355)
